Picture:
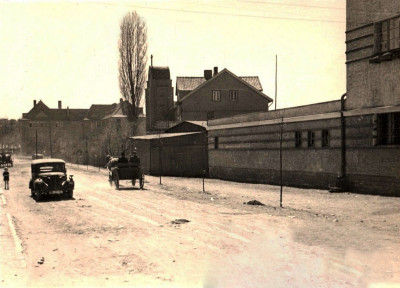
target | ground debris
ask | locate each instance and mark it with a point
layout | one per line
(180, 221)
(41, 261)
(254, 202)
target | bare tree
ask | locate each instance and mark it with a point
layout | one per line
(133, 60)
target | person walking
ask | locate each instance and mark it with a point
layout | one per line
(6, 178)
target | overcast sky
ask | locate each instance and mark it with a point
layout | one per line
(68, 50)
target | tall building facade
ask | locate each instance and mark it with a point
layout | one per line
(159, 99)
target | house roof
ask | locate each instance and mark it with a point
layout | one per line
(41, 112)
(244, 80)
(98, 111)
(159, 72)
(188, 83)
(191, 83)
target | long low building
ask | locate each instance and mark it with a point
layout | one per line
(322, 145)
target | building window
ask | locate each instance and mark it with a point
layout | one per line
(297, 136)
(387, 35)
(233, 95)
(216, 143)
(325, 138)
(216, 95)
(389, 129)
(118, 124)
(311, 139)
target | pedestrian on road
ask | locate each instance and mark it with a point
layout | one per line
(6, 178)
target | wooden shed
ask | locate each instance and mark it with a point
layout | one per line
(173, 154)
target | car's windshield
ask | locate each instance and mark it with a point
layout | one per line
(50, 167)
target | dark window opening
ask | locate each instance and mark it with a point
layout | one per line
(389, 129)
(216, 143)
(386, 38)
(297, 139)
(311, 139)
(325, 138)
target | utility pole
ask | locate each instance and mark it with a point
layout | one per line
(160, 153)
(51, 148)
(87, 155)
(280, 159)
(276, 79)
(36, 144)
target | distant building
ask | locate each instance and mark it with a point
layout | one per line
(212, 96)
(78, 135)
(218, 95)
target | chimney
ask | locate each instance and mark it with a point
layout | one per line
(59, 105)
(67, 111)
(207, 74)
(34, 103)
(215, 71)
(151, 60)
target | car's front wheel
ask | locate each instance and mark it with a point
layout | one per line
(38, 195)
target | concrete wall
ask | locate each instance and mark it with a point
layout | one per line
(251, 154)
(200, 103)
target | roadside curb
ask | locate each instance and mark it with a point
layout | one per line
(18, 244)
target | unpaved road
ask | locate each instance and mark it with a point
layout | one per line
(125, 238)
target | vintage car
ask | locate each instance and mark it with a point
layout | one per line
(6, 160)
(49, 176)
(37, 156)
(123, 169)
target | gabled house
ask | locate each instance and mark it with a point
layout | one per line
(220, 95)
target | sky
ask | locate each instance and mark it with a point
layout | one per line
(68, 51)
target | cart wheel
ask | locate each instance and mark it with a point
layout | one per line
(141, 181)
(116, 181)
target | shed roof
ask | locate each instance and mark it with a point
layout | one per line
(161, 136)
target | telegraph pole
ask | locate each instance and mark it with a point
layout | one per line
(36, 144)
(276, 79)
(51, 148)
(280, 159)
(160, 153)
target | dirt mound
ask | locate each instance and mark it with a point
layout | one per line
(254, 202)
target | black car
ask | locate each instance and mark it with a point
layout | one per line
(49, 176)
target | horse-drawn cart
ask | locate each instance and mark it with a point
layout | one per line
(122, 169)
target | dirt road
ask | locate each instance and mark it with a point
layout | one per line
(126, 238)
